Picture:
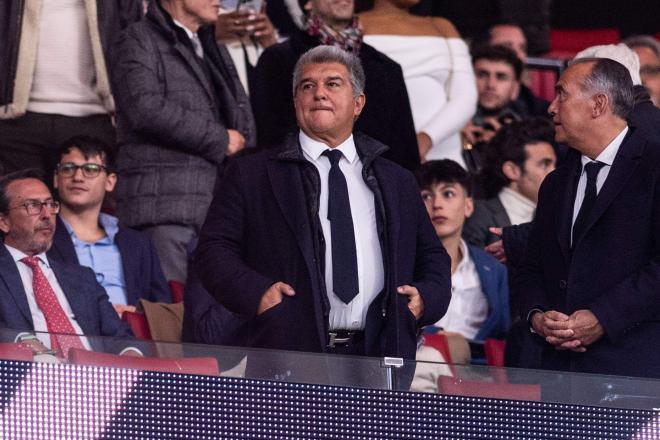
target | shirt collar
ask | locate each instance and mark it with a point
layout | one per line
(609, 153)
(109, 224)
(188, 32)
(465, 257)
(19, 255)
(314, 149)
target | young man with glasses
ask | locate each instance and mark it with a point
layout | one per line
(124, 260)
(38, 293)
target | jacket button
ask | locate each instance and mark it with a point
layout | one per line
(562, 284)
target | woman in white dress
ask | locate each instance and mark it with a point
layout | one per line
(437, 69)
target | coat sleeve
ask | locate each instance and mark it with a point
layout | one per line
(218, 260)
(143, 105)
(528, 282)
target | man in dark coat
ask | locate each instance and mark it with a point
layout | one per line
(181, 110)
(387, 116)
(590, 278)
(310, 262)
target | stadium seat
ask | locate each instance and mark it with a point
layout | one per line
(138, 323)
(201, 365)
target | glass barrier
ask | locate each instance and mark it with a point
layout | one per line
(346, 371)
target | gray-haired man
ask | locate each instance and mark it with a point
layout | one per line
(322, 244)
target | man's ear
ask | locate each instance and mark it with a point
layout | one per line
(516, 91)
(4, 223)
(600, 105)
(469, 207)
(511, 171)
(110, 182)
(360, 102)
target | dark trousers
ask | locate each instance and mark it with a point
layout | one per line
(32, 140)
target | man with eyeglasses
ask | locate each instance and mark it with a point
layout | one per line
(124, 260)
(38, 293)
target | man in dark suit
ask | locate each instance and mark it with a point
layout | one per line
(123, 259)
(37, 294)
(321, 244)
(590, 277)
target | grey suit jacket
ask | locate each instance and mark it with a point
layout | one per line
(487, 213)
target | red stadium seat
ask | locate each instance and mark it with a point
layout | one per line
(15, 352)
(440, 343)
(138, 323)
(494, 350)
(207, 366)
(566, 43)
(460, 387)
(177, 288)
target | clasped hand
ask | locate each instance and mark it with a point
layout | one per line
(575, 332)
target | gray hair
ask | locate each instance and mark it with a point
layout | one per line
(643, 41)
(331, 54)
(613, 80)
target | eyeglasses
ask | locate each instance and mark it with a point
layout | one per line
(34, 207)
(89, 170)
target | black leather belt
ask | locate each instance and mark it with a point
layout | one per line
(344, 338)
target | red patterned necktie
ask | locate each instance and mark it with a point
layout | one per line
(56, 319)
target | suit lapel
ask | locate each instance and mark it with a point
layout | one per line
(74, 290)
(499, 213)
(14, 284)
(129, 264)
(623, 167)
(566, 203)
(286, 182)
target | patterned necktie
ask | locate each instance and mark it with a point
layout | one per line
(56, 319)
(344, 257)
(590, 193)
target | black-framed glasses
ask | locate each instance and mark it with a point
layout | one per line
(34, 207)
(89, 169)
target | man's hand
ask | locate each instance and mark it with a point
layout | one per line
(553, 326)
(121, 308)
(243, 22)
(415, 302)
(273, 296)
(586, 329)
(496, 249)
(236, 142)
(424, 144)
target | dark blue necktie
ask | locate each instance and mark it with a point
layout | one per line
(344, 258)
(590, 194)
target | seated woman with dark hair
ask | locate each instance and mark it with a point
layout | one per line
(437, 70)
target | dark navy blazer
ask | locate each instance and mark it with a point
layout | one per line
(87, 298)
(259, 230)
(142, 272)
(612, 270)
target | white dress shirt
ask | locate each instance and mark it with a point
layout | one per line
(607, 157)
(518, 208)
(349, 316)
(38, 318)
(468, 307)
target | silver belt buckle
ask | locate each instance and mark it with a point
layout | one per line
(335, 340)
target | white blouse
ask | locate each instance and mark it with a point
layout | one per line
(441, 86)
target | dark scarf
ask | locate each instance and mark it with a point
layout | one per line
(349, 39)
